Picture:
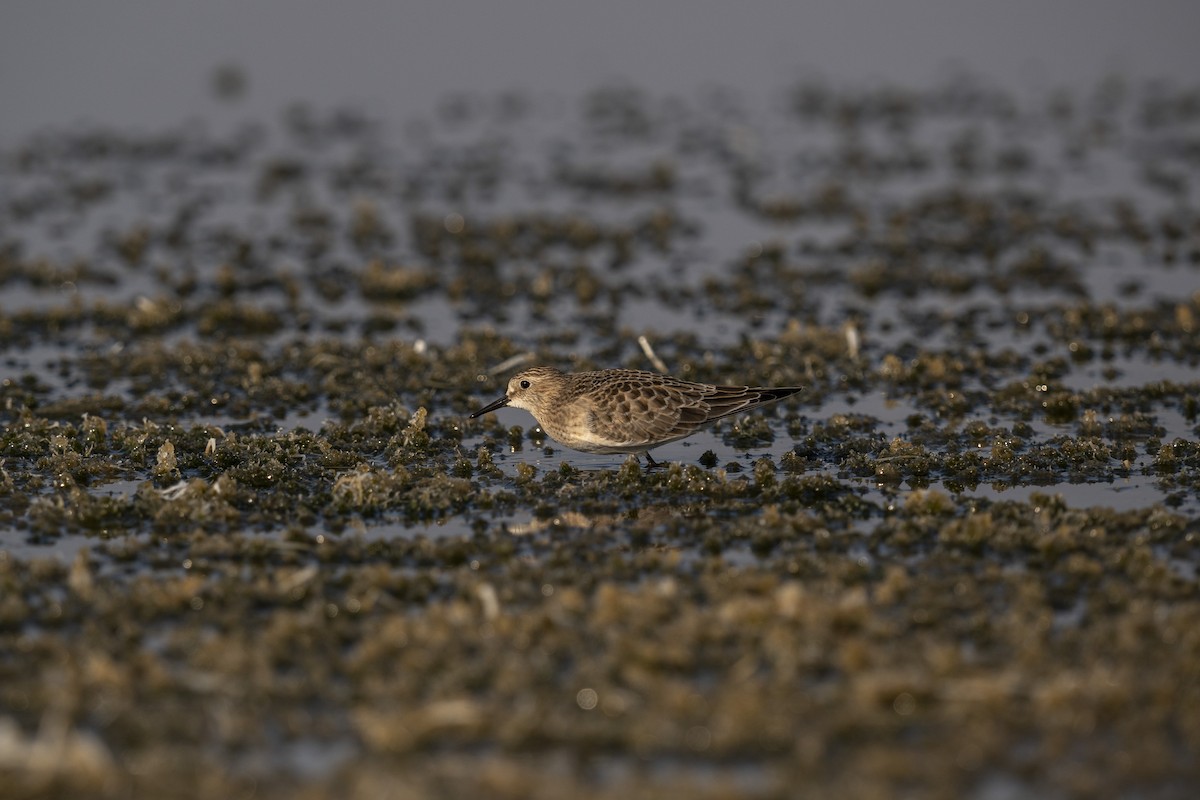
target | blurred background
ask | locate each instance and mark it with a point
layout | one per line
(137, 63)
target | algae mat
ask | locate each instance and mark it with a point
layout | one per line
(250, 544)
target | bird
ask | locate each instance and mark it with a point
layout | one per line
(625, 410)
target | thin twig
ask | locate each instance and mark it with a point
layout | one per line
(650, 354)
(509, 363)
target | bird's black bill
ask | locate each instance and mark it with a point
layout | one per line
(501, 403)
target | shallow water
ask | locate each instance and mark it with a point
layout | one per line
(241, 497)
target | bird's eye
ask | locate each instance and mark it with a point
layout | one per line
(524, 384)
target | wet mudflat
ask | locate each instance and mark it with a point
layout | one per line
(250, 544)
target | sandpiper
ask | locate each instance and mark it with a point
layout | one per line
(625, 410)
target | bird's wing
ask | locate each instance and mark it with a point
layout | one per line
(654, 413)
(640, 412)
(725, 400)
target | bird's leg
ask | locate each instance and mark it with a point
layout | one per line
(650, 462)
